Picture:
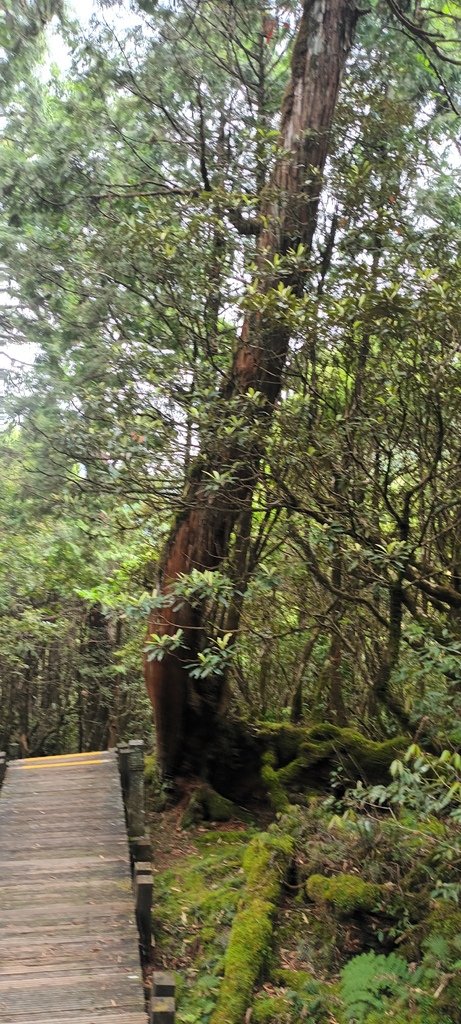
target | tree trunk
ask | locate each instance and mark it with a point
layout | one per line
(390, 659)
(185, 714)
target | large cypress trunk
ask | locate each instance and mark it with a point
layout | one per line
(185, 715)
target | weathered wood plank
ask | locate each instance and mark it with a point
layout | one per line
(108, 1016)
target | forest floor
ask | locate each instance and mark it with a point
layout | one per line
(357, 933)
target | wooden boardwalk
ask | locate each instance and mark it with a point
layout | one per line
(68, 939)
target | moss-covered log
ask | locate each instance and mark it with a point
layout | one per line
(346, 894)
(265, 864)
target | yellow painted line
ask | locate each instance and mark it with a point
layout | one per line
(69, 757)
(74, 764)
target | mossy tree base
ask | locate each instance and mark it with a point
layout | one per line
(273, 761)
(206, 804)
(297, 759)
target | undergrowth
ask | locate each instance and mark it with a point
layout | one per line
(342, 912)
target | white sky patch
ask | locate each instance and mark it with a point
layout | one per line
(18, 354)
(58, 53)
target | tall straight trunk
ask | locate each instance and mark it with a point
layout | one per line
(185, 715)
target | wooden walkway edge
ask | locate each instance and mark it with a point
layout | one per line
(69, 950)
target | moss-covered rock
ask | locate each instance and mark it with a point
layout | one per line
(345, 894)
(265, 864)
(206, 804)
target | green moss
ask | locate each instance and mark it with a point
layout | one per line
(276, 1009)
(445, 920)
(281, 739)
(246, 954)
(150, 769)
(206, 804)
(292, 753)
(303, 996)
(194, 812)
(201, 896)
(346, 894)
(265, 863)
(218, 807)
(273, 784)
(293, 773)
(294, 980)
(288, 742)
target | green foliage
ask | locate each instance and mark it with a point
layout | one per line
(424, 794)
(127, 267)
(70, 673)
(275, 1009)
(368, 981)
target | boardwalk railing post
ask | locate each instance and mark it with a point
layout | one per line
(135, 801)
(162, 1008)
(163, 984)
(140, 850)
(2, 765)
(143, 902)
(14, 750)
(123, 754)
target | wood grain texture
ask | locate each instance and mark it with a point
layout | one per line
(69, 951)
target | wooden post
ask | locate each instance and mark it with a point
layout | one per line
(2, 765)
(140, 850)
(143, 903)
(135, 803)
(123, 753)
(142, 867)
(13, 751)
(163, 984)
(162, 1010)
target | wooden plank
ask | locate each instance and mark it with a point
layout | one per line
(108, 1016)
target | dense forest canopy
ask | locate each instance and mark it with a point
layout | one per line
(145, 225)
